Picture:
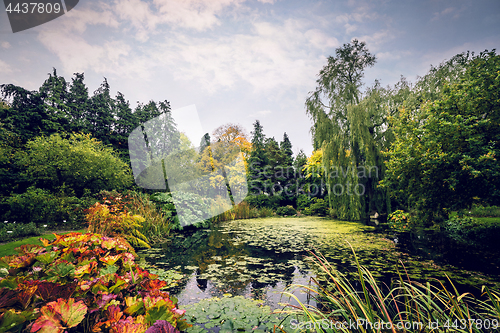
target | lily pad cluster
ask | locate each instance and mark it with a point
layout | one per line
(233, 314)
(83, 283)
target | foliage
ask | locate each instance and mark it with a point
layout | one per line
(257, 161)
(195, 209)
(350, 130)
(340, 302)
(232, 314)
(480, 211)
(59, 106)
(399, 221)
(303, 201)
(286, 211)
(318, 207)
(445, 154)
(471, 231)
(9, 231)
(113, 220)
(78, 163)
(9, 248)
(82, 283)
(157, 223)
(43, 207)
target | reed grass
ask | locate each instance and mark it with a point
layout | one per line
(156, 226)
(405, 306)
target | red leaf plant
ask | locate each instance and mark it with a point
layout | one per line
(83, 283)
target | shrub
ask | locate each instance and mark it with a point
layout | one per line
(10, 231)
(468, 230)
(319, 207)
(115, 221)
(196, 210)
(399, 221)
(303, 201)
(332, 213)
(286, 211)
(156, 226)
(42, 207)
(264, 201)
(480, 211)
(83, 283)
(266, 212)
(78, 162)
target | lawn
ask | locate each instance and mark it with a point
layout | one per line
(9, 248)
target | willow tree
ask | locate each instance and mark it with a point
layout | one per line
(349, 127)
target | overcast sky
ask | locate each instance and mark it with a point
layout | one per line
(238, 60)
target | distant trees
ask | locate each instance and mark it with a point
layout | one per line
(60, 106)
(59, 145)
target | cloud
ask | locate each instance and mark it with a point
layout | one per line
(262, 113)
(197, 14)
(377, 39)
(272, 58)
(269, 57)
(5, 67)
(446, 12)
(6, 45)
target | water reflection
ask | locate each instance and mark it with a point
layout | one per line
(259, 258)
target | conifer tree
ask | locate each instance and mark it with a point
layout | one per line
(78, 104)
(257, 161)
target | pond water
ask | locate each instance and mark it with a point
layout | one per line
(259, 258)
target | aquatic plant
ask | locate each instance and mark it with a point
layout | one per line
(233, 314)
(364, 305)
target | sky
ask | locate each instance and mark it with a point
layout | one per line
(241, 60)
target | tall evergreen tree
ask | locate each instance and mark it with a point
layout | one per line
(287, 169)
(26, 114)
(101, 113)
(257, 161)
(125, 122)
(54, 92)
(275, 180)
(78, 104)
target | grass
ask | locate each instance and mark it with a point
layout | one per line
(488, 220)
(8, 249)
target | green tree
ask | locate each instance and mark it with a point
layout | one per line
(54, 92)
(78, 104)
(445, 154)
(286, 170)
(101, 115)
(26, 114)
(125, 123)
(74, 164)
(257, 161)
(342, 127)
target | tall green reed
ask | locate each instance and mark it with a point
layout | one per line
(405, 306)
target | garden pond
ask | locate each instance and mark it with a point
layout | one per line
(259, 258)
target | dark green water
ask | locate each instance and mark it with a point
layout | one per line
(259, 258)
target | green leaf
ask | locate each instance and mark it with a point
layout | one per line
(109, 269)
